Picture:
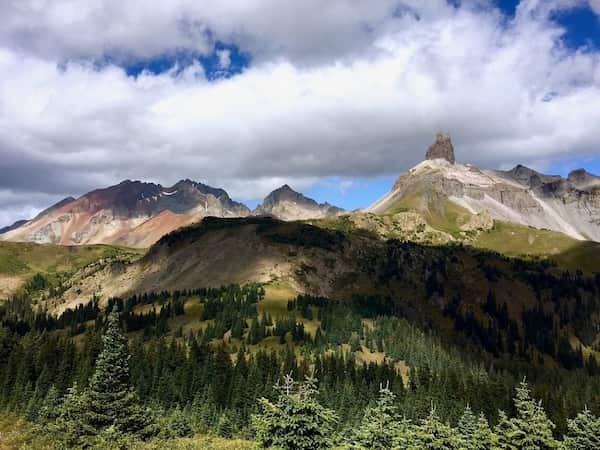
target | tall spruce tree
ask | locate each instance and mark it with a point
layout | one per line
(467, 427)
(433, 434)
(583, 432)
(484, 438)
(111, 400)
(296, 421)
(530, 429)
(381, 426)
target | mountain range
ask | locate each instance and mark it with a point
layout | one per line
(137, 214)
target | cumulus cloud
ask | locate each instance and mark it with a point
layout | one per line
(224, 57)
(356, 90)
(595, 5)
(307, 30)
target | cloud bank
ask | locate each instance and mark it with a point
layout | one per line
(334, 89)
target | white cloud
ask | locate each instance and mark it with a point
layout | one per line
(224, 57)
(345, 185)
(307, 30)
(595, 5)
(300, 112)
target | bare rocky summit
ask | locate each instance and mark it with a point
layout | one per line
(286, 204)
(441, 149)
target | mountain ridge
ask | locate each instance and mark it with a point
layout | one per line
(134, 213)
(520, 195)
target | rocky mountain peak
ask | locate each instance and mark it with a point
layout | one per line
(287, 204)
(286, 193)
(582, 179)
(441, 149)
(532, 178)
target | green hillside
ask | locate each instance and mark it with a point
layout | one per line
(522, 241)
(20, 261)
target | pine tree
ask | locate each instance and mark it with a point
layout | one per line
(70, 423)
(583, 432)
(224, 426)
(380, 425)
(530, 429)
(49, 408)
(111, 400)
(467, 427)
(296, 420)
(432, 434)
(179, 424)
(483, 438)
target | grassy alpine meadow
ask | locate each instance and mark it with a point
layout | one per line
(29, 266)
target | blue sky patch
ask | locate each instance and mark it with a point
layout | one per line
(350, 193)
(225, 61)
(582, 27)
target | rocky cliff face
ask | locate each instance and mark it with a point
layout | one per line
(286, 204)
(131, 213)
(520, 195)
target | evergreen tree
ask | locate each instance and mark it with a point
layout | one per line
(380, 425)
(111, 400)
(179, 424)
(224, 426)
(296, 420)
(50, 406)
(583, 432)
(483, 438)
(530, 429)
(70, 424)
(467, 427)
(433, 434)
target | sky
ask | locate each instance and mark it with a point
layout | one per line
(334, 98)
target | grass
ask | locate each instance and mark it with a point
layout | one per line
(16, 433)
(523, 241)
(23, 260)
(277, 295)
(444, 216)
(448, 217)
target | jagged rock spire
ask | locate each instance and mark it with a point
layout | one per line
(441, 149)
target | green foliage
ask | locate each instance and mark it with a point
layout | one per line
(111, 400)
(50, 406)
(381, 427)
(71, 428)
(177, 425)
(224, 426)
(432, 434)
(37, 283)
(530, 429)
(296, 420)
(583, 432)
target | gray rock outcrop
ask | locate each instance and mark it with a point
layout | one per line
(441, 149)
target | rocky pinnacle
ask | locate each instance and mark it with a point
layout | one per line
(441, 149)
